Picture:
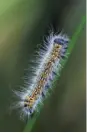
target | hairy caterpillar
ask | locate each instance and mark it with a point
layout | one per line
(49, 63)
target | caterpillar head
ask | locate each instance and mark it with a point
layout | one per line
(61, 41)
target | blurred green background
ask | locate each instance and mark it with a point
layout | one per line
(23, 24)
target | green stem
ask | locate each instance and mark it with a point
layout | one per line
(31, 121)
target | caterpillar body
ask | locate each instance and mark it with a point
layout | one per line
(49, 63)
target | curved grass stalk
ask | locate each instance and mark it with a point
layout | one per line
(74, 38)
